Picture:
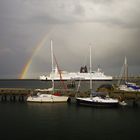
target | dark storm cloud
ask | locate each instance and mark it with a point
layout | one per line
(113, 25)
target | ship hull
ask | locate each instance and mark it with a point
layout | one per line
(72, 79)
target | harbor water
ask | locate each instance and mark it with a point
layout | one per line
(41, 84)
(64, 121)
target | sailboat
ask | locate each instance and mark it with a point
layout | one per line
(127, 86)
(52, 97)
(96, 99)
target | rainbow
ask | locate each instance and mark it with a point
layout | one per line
(37, 48)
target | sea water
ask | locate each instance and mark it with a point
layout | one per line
(64, 121)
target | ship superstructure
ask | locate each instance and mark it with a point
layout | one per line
(82, 75)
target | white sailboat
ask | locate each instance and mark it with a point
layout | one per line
(52, 97)
(96, 99)
(127, 86)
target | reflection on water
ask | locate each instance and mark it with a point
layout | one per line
(67, 121)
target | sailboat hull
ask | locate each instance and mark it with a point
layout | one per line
(47, 99)
(93, 103)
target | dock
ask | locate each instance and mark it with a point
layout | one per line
(21, 94)
(14, 94)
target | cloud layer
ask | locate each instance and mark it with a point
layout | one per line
(111, 26)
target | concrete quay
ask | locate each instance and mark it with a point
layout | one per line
(14, 94)
(21, 94)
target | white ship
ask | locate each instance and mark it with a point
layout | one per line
(82, 75)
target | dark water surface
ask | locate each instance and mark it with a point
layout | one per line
(62, 121)
(16, 83)
(67, 122)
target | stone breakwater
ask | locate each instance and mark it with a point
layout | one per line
(71, 93)
(21, 94)
(14, 94)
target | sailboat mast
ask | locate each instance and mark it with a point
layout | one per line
(126, 70)
(52, 66)
(90, 69)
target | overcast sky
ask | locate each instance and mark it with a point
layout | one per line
(112, 27)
